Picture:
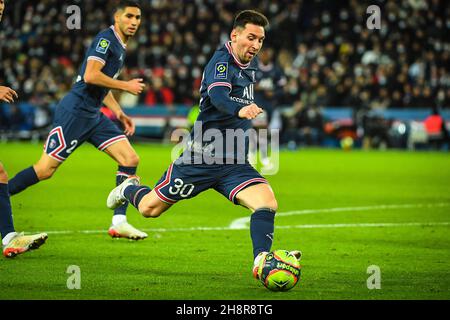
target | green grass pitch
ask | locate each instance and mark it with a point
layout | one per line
(345, 210)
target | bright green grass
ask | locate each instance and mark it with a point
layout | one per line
(414, 260)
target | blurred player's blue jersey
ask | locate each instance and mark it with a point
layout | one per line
(270, 78)
(78, 118)
(83, 99)
(233, 81)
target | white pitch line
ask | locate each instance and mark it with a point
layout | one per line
(300, 226)
(241, 223)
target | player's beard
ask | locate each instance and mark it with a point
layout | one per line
(126, 33)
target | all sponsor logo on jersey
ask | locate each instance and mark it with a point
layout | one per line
(221, 70)
(248, 92)
(102, 46)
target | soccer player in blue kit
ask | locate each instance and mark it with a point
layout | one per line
(78, 118)
(226, 105)
(13, 243)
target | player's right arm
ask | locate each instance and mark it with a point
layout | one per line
(219, 85)
(7, 94)
(94, 76)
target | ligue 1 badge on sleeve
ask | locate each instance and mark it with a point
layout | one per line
(102, 46)
(221, 70)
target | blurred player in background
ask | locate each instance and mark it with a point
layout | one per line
(227, 104)
(78, 118)
(13, 243)
(268, 92)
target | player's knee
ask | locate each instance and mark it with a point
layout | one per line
(272, 204)
(151, 212)
(131, 160)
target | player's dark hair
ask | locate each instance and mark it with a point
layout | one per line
(250, 16)
(128, 3)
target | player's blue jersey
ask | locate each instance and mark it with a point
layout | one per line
(224, 70)
(270, 78)
(83, 99)
(227, 86)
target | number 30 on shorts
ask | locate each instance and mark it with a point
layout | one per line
(184, 190)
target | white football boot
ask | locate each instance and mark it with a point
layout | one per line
(126, 230)
(21, 243)
(116, 197)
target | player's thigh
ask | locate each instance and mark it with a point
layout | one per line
(3, 174)
(257, 196)
(243, 185)
(123, 153)
(106, 136)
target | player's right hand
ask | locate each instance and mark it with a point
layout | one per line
(250, 112)
(135, 86)
(7, 94)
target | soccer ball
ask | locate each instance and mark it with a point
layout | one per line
(280, 271)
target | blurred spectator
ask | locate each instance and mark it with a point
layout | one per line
(16, 118)
(159, 93)
(437, 130)
(270, 82)
(317, 44)
(4, 122)
(303, 126)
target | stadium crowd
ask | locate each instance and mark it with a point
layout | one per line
(328, 54)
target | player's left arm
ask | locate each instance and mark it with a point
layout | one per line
(114, 106)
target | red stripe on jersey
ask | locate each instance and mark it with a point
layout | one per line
(219, 84)
(111, 141)
(163, 184)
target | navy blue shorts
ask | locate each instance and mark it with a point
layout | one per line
(186, 181)
(70, 131)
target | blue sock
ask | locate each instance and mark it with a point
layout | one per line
(134, 194)
(261, 230)
(122, 174)
(23, 180)
(6, 220)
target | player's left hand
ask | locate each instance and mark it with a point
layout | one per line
(128, 124)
